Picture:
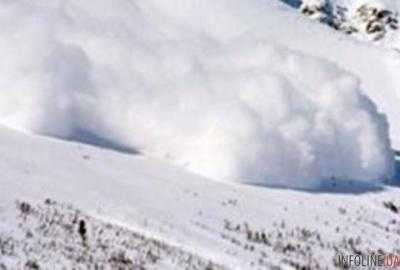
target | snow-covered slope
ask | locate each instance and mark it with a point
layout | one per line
(271, 98)
(234, 226)
(172, 95)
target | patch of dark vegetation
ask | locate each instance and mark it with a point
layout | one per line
(297, 265)
(25, 208)
(342, 210)
(121, 261)
(391, 206)
(300, 248)
(59, 234)
(230, 202)
(7, 247)
(32, 265)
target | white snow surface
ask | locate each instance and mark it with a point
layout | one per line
(233, 90)
(186, 211)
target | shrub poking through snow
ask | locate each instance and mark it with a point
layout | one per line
(390, 205)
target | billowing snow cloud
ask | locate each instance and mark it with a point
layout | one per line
(227, 106)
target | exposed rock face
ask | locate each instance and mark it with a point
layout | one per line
(316, 9)
(370, 21)
(374, 21)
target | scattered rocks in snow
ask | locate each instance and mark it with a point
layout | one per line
(368, 20)
(374, 21)
(315, 9)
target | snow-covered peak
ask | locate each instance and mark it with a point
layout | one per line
(234, 90)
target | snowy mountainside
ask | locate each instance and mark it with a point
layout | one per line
(54, 235)
(223, 225)
(231, 134)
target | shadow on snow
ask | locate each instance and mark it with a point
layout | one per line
(351, 187)
(89, 138)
